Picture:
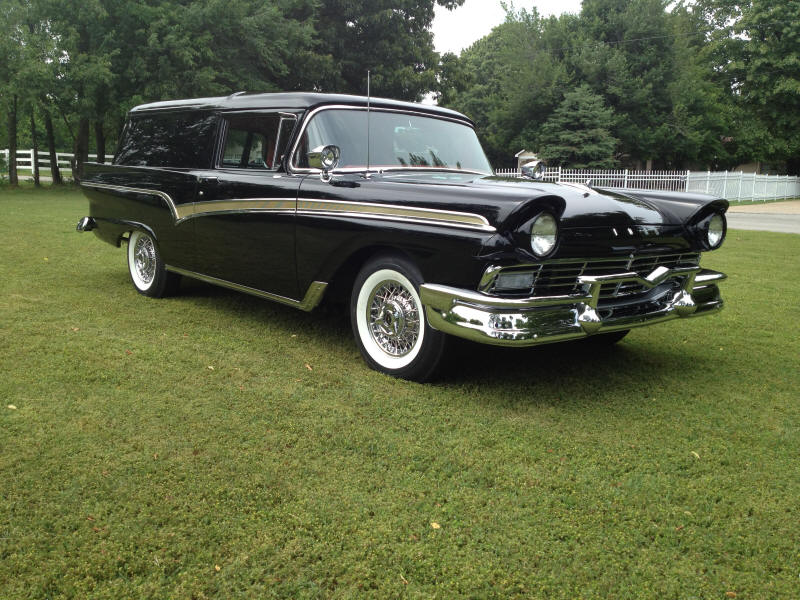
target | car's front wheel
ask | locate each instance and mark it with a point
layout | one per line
(389, 320)
(146, 267)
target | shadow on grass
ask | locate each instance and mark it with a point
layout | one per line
(570, 365)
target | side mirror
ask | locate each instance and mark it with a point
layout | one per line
(325, 158)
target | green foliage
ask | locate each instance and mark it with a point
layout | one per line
(391, 38)
(577, 133)
(507, 82)
(757, 54)
(663, 468)
(707, 84)
(92, 60)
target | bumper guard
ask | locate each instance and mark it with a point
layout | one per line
(672, 293)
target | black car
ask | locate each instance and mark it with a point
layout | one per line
(394, 208)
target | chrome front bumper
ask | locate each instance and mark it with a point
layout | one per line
(676, 292)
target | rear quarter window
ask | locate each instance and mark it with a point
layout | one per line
(178, 140)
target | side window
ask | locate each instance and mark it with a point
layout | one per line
(178, 140)
(250, 142)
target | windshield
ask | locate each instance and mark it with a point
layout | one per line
(396, 140)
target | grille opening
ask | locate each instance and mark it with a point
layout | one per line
(560, 277)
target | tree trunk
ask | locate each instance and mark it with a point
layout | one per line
(12, 143)
(793, 165)
(81, 149)
(100, 141)
(55, 173)
(35, 157)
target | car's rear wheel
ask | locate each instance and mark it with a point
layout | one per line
(389, 322)
(146, 267)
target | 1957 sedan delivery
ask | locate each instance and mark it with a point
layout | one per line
(394, 208)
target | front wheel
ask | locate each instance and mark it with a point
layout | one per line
(146, 267)
(389, 322)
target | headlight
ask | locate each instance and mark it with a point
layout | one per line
(716, 231)
(544, 232)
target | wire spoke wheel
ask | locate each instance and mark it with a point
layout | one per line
(146, 267)
(389, 321)
(393, 318)
(144, 260)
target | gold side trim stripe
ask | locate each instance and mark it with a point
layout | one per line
(309, 302)
(245, 205)
(391, 211)
(317, 206)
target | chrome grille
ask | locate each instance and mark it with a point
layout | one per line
(560, 277)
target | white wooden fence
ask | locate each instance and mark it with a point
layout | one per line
(25, 160)
(735, 186)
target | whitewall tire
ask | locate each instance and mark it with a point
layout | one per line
(146, 267)
(389, 321)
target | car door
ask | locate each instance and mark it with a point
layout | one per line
(244, 211)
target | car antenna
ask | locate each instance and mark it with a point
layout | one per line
(368, 111)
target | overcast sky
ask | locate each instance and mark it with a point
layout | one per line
(458, 29)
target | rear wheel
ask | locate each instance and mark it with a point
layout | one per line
(389, 322)
(148, 274)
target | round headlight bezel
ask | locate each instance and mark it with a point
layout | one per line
(715, 231)
(544, 234)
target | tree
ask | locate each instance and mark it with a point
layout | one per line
(508, 82)
(767, 63)
(11, 83)
(391, 38)
(628, 58)
(577, 134)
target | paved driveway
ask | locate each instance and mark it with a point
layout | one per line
(783, 217)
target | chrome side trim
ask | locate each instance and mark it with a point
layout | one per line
(394, 212)
(178, 211)
(337, 208)
(316, 206)
(245, 205)
(310, 301)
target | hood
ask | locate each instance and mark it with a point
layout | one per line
(507, 202)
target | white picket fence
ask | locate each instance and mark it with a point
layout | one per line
(735, 186)
(25, 160)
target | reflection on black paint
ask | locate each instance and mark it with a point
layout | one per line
(180, 140)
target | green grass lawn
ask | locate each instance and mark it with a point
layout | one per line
(217, 445)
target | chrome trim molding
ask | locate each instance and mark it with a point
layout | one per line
(244, 205)
(563, 272)
(315, 206)
(370, 210)
(543, 319)
(310, 301)
(178, 211)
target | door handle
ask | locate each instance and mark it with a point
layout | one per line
(209, 180)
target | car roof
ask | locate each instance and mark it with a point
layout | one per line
(289, 101)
